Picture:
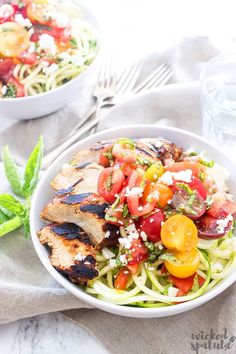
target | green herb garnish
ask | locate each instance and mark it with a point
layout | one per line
(127, 141)
(73, 43)
(11, 91)
(13, 212)
(206, 163)
(193, 153)
(170, 257)
(125, 211)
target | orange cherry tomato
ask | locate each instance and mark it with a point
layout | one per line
(122, 279)
(165, 194)
(179, 233)
(186, 265)
(36, 11)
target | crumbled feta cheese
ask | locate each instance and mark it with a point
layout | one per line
(185, 176)
(6, 10)
(162, 223)
(25, 22)
(134, 191)
(131, 229)
(108, 234)
(172, 291)
(159, 143)
(125, 242)
(51, 69)
(112, 263)
(223, 223)
(60, 18)
(151, 268)
(79, 257)
(107, 253)
(151, 220)
(31, 48)
(47, 43)
(140, 208)
(126, 272)
(143, 236)
(160, 247)
(4, 90)
(78, 60)
(166, 178)
(31, 31)
(229, 197)
(123, 259)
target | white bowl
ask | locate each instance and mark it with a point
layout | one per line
(44, 193)
(48, 102)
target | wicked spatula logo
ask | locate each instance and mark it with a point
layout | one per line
(217, 342)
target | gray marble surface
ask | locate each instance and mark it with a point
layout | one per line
(50, 333)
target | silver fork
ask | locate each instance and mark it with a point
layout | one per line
(158, 78)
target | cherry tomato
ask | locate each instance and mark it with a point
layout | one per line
(6, 69)
(105, 157)
(221, 206)
(195, 185)
(14, 39)
(207, 227)
(110, 183)
(28, 58)
(179, 233)
(193, 210)
(165, 194)
(20, 92)
(138, 205)
(133, 268)
(155, 171)
(124, 153)
(122, 279)
(195, 167)
(185, 284)
(36, 11)
(186, 265)
(139, 252)
(58, 33)
(115, 215)
(151, 225)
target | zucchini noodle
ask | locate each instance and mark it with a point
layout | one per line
(149, 288)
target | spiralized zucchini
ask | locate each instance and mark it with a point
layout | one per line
(149, 288)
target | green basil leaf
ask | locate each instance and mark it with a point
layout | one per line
(32, 169)
(3, 217)
(11, 204)
(11, 172)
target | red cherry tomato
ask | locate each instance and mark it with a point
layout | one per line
(133, 268)
(106, 156)
(139, 252)
(110, 183)
(151, 225)
(122, 279)
(195, 167)
(61, 34)
(123, 153)
(20, 92)
(28, 58)
(221, 206)
(185, 284)
(195, 185)
(207, 227)
(194, 211)
(141, 205)
(6, 69)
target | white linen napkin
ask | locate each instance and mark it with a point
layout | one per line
(26, 289)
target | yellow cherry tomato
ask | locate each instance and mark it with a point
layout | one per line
(179, 233)
(14, 39)
(154, 171)
(37, 11)
(186, 263)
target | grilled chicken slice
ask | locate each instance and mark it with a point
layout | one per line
(87, 211)
(77, 180)
(71, 251)
(159, 148)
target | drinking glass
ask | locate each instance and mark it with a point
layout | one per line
(218, 95)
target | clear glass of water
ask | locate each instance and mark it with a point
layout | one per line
(218, 84)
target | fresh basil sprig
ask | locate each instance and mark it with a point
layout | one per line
(13, 212)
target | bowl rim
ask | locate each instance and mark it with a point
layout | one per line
(69, 83)
(127, 311)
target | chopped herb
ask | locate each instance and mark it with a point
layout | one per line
(149, 245)
(125, 212)
(73, 43)
(108, 154)
(143, 161)
(206, 163)
(191, 199)
(186, 188)
(118, 262)
(195, 286)
(11, 91)
(202, 176)
(208, 202)
(110, 218)
(186, 209)
(109, 182)
(127, 141)
(170, 257)
(193, 153)
(116, 203)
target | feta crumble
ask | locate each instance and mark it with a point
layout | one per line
(112, 263)
(143, 236)
(134, 191)
(4, 90)
(123, 259)
(108, 234)
(79, 257)
(47, 44)
(107, 253)
(166, 178)
(172, 291)
(223, 223)
(51, 69)
(25, 22)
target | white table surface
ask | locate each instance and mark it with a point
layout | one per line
(135, 28)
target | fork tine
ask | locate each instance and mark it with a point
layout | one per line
(128, 78)
(159, 70)
(158, 80)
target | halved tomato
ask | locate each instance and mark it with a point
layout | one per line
(28, 58)
(6, 69)
(179, 233)
(139, 252)
(221, 206)
(165, 194)
(122, 279)
(124, 151)
(195, 167)
(194, 208)
(105, 157)
(151, 225)
(194, 185)
(186, 284)
(186, 265)
(208, 228)
(110, 183)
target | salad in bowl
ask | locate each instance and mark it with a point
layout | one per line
(139, 222)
